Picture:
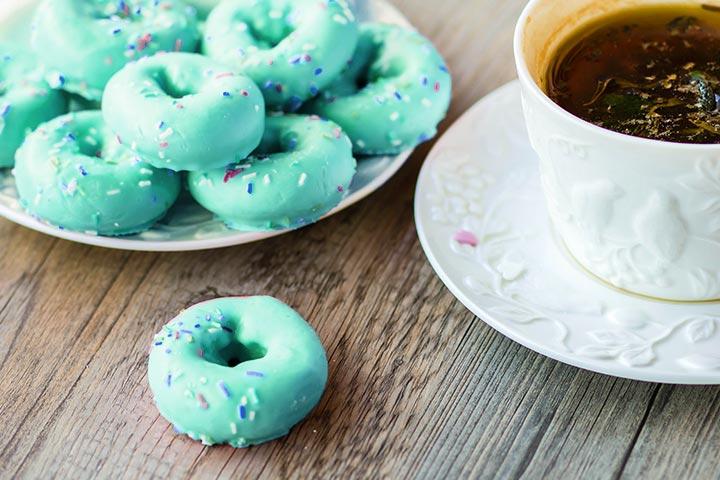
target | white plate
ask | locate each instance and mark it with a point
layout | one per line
(481, 184)
(188, 226)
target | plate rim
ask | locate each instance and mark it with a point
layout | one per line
(485, 316)
(233, 238)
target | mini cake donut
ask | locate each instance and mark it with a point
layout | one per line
(302, 169)
(183, 111)
(26, 100)
(290, 48)
(239, 370)
(73, 173)
(82, 43)
(393, 93)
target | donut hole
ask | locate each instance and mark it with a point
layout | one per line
(236, 352)
(268, 32)
(172, 86)
(90, 143)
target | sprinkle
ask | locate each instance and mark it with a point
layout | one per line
(82, 171)
(223, 389)
(337, 133)
(178, 44)
(200, 352)
(398, 95)
(5, 110)
(318, 71)
(226, 94)
(394, 116)
(227, 329)
(144, 41)
(166, 134)
(244, 93)
(437, 86)
(116, 31)
(314, 90)
(242, 412)
(201, 400)
(168, 380)
(157, 344)
(250, 188)
(70, 137)
(251, 373)
(465, 237)
(340, 189)
(233, 428)
(426, 102)
(111, 193)
(301, 180)
(243, 400)
(161, 125)
(163, 144)
(443, 68)
(251, 415)
(224, 75)
(424, 81)
(57, 80)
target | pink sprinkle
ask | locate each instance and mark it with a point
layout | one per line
(337, 133)
(340, 188)
(464, 237)
(144, 41)
(224, 75)
(164, 145)
(200, 352)
(437, 86)
(201, 400)
(230, 174)
(178, 44)
(279, 88)
(180, 106)
(177, 334)
(244, 93)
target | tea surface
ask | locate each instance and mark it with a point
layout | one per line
(651, 72)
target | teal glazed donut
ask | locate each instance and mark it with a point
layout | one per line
(393, 93)
(302, 169)
(290, 48)
(183, 111)
(26, 100)
(240, 370)
(82, 43)
(73, 173)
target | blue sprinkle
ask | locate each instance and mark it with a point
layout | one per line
(197, 325)
(5, 110)
(161, 125)
(318, 71)
(226, 94)
(116, 31)
(250, 188)
(186, 331)
(158, 343)
(424, 137)
(269, 84)
(295, 59)
(223, 389)
(295, 103)
(70, 137)
(313, 90)
(168, 351)
(241, 412)
(397, 95)
(82, 170)
(443, 68)
(168, 380)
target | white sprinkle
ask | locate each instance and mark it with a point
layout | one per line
(266, 179)
(360, 143)
(144, 183)
(426, 102)
(340, 19)
(166, 134)
(243, 400)
(146, 171)
(249, 176)
(233, 428)
(394, 116)
(203, 380)
(251, 415)
(110, 193)
(301, 180)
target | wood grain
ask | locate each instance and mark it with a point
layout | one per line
(418, 387)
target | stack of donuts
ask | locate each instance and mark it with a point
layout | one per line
(261, 110)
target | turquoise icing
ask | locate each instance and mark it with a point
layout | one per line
(73, 173)
(290, 48)
(183, 111)
(392, 95)
(302, 169)
(25, 100)
(240, 370)
(82, 43)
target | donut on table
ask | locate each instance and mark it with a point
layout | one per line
(393, 93)
(183, 111)
(82, 43)
(73, 173)
(302, 169)
(239, 370)
(26, 100)
(290, 48)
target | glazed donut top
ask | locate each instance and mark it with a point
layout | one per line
(290, 48)
(82, 43)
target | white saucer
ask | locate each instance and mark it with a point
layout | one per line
(188, 226)
(480, 184)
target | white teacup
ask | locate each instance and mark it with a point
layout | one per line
(644, 215)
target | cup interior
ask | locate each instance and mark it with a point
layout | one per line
(545, 24)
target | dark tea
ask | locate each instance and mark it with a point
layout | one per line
(650, 71)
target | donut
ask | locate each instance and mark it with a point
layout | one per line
(290, 48)
(26, 100)
(82, 43)
(302, 169)
(73, 173)
(238, 370)
(183, 111)
(393, 93)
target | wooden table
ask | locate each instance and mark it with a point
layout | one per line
(418, 386)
